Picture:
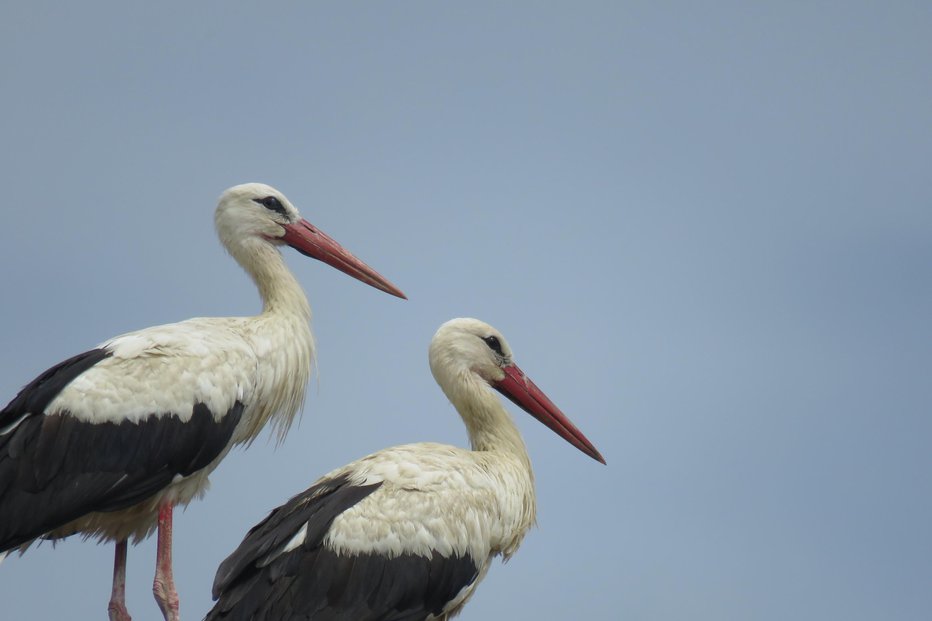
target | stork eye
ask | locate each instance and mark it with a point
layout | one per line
(494, 344)
(272, 204)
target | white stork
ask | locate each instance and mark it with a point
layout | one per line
(106, 443)
(407, 532)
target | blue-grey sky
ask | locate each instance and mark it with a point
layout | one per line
(705, 229)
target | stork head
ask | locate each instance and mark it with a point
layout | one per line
(255, 212)
(469, 346)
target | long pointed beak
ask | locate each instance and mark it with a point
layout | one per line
(526, 395)
(311, 241)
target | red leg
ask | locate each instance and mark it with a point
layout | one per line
(164, 585)
(117, 608)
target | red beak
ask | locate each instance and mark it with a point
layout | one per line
(311, 241)
(526, 395)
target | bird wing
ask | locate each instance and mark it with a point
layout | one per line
(269, 551)
(289, 565)
(109, 428)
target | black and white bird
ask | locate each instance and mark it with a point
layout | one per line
(408, 532)
(106, 443)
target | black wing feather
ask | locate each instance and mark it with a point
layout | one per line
(317, 507)
(55, 468)
(37, 394)
(313, 582)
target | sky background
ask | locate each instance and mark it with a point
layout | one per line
(704, 228)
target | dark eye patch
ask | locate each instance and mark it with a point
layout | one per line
(272, 204)
(494, 344)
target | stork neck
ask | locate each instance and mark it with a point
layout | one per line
(488, 423)
(279, 289)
